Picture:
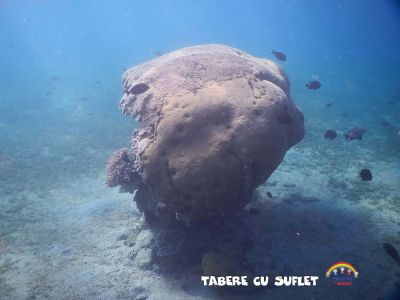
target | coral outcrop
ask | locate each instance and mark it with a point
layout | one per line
(216, 122)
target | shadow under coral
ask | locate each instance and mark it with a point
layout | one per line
(270, 237)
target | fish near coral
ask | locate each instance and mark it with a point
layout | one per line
(138, 89)
(330, 134)
(365, 175)
(279, 55)
(313, 85)
(392, 252)
(354, 134)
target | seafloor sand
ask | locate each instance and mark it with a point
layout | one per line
(62, 243)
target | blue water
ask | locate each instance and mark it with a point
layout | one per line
(61, 64)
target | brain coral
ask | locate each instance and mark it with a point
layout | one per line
(216, 122)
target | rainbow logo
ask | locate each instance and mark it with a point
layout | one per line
(343, 268)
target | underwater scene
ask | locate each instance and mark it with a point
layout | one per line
(172, 149)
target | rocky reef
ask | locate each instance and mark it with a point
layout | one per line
(216, 122)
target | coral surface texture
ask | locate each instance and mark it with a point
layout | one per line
(216, 122)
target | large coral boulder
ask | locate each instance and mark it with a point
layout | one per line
(216, 122)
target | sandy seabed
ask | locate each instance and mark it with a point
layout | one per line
(81, 240)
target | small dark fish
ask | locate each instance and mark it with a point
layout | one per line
(344, 114)
(329, 104)
(138, 89)
(10, 46)
(269, 195)
(365, 175)
(279, 55)
(254, 211)
(157, 53)
(54, 78)
(392, 252)
(330, 134)
(49, 93)
(385, 123)
(390, 102)
(313, 85)
(284, 118)
(355, 134)
(83, 99)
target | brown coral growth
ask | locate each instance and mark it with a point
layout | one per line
(216, 122)
(121, 171)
